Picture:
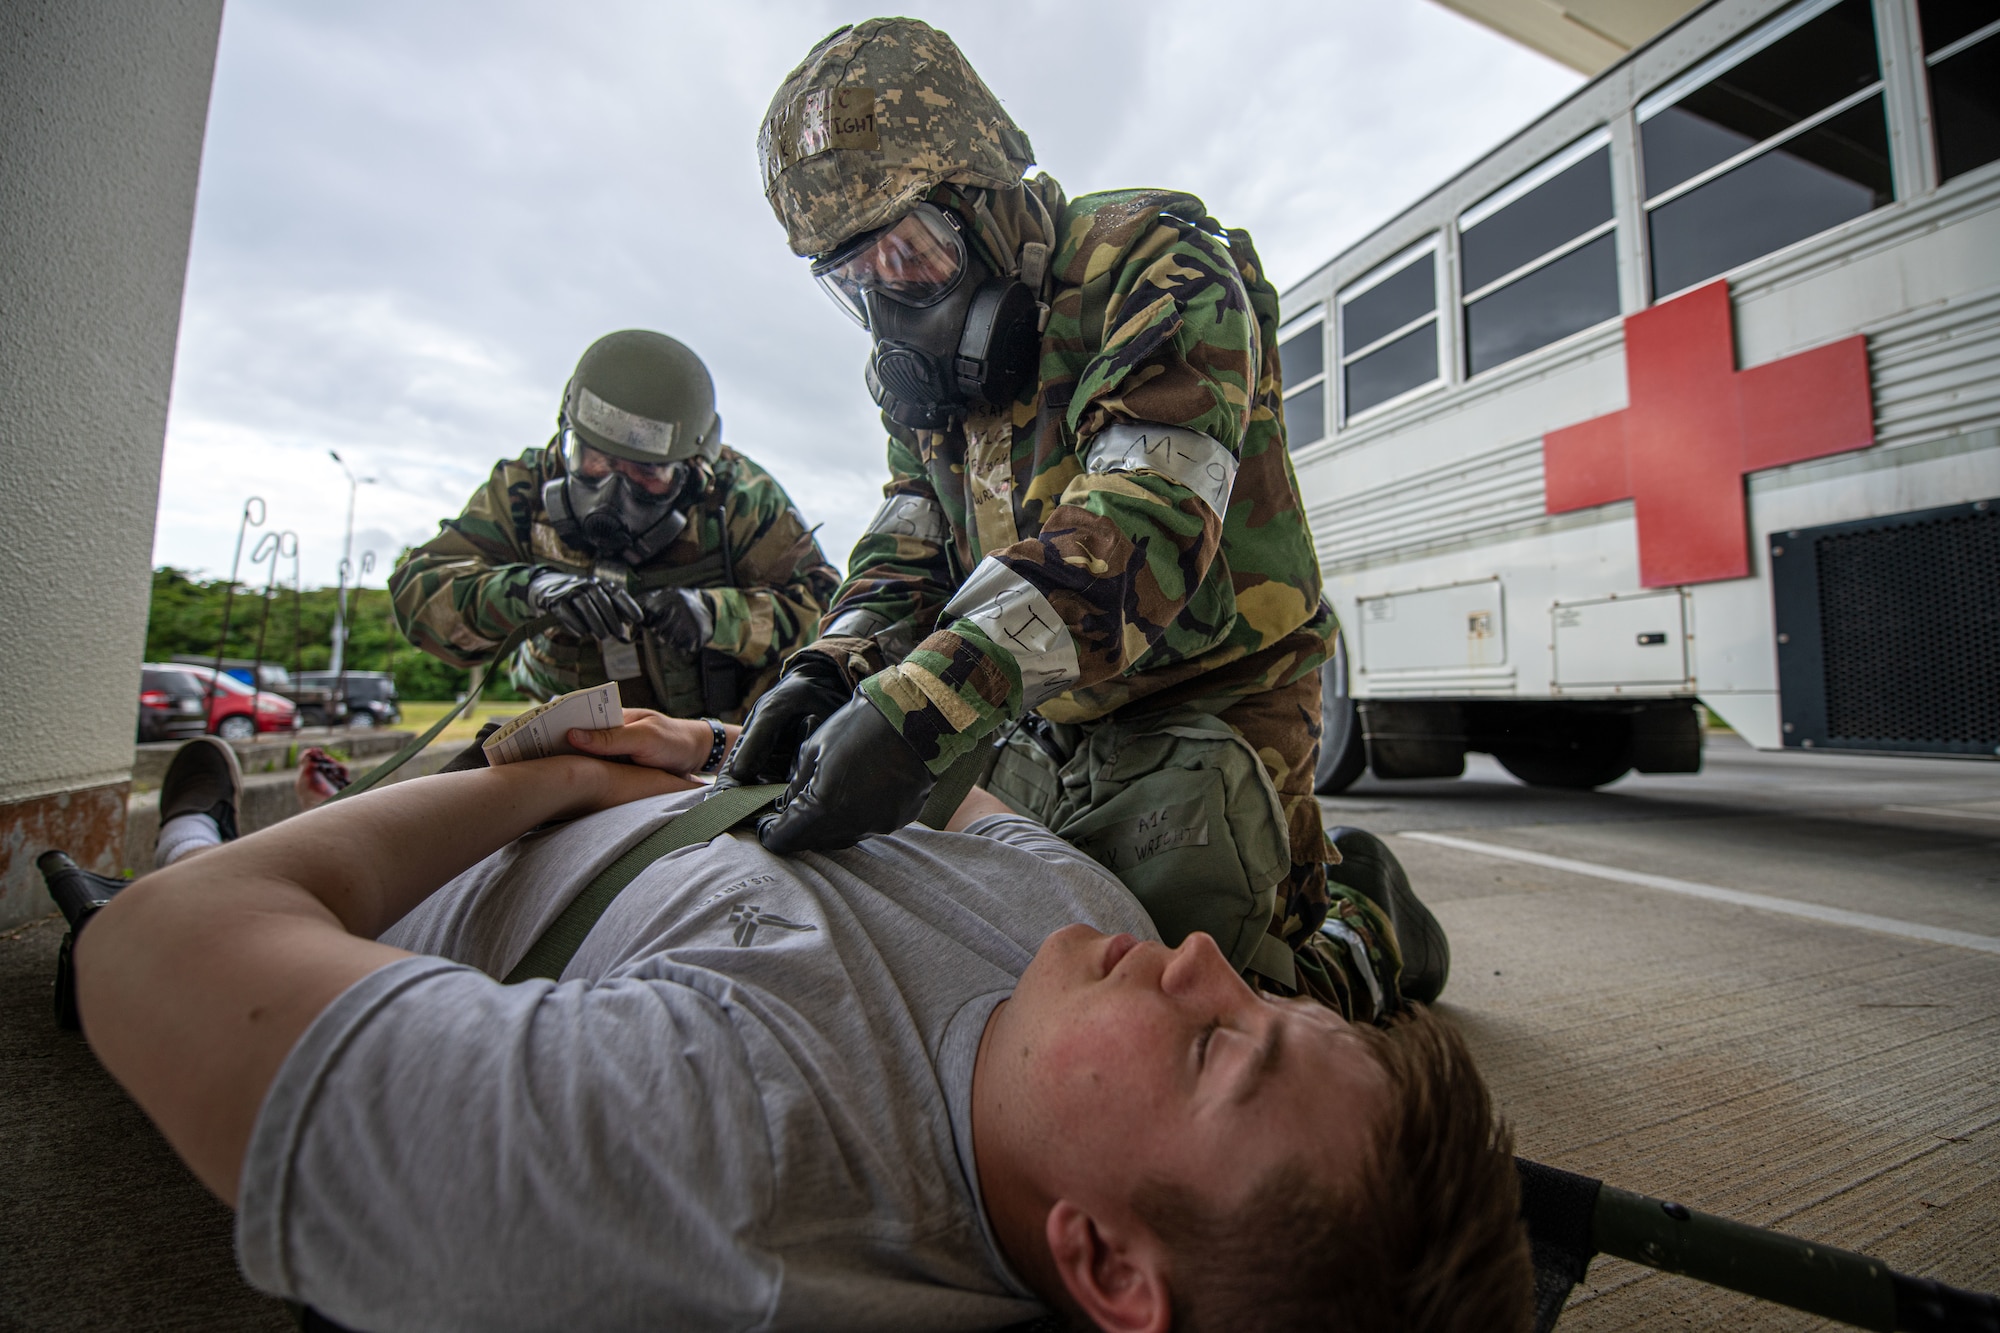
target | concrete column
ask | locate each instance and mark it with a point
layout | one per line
(102, 108)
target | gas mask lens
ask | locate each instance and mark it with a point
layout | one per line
(916, 262)
(594, 464)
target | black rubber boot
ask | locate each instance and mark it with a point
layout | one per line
(1369, 868)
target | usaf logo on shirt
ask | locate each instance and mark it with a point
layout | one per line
(747, 917)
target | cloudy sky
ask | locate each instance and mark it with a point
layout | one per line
(414, 216)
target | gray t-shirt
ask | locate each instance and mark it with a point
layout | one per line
(746, 1105)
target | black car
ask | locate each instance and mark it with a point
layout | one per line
(370, 696)
(170, 704)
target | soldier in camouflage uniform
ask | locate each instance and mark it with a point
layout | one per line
(1091, 517)
(668, 561)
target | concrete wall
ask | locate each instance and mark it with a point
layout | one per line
(102, 108)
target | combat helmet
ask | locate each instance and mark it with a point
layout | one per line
(643, 396)
(877, 115)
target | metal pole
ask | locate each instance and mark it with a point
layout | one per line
(360, 577)
(354, 483)
(347, 629)
(279, 542)
(339, 665)
(229, 594)
(298, 649)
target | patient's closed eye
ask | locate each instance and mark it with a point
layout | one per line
(1201, 1042)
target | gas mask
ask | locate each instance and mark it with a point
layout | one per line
(616, 508)
(950, 334)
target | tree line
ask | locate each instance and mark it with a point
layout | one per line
(297, 631)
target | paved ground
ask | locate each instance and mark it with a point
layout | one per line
(1821, 1073)
(1815, 1048)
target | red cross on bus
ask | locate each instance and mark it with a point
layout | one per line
(1697, 426)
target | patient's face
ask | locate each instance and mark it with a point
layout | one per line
(1141, 1062)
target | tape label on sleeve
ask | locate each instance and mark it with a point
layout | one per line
(1014, 614)
(915, 516)
(1194, 460)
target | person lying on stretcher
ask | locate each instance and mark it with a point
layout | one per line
(945, 1079)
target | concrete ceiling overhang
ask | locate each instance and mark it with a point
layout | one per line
(1587, 35)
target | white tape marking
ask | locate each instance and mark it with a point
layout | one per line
(1836, 916)
(1940, 810)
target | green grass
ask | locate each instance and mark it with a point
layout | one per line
(419, 714)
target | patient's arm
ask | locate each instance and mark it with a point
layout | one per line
(195, 982)
(676, 744)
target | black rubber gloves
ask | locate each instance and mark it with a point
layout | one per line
(585, 607)
(851, 774)
(855, 776)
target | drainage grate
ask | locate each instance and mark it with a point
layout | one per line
(1889, 631)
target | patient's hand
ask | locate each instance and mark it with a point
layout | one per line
(654, 740)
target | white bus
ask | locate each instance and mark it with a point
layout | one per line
(1690, 391)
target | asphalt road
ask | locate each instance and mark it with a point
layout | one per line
(1770, 990)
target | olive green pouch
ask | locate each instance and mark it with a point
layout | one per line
(1178, 806)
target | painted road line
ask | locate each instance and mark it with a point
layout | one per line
(1940, 810)
(1836, 916)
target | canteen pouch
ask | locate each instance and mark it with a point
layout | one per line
(1176, 804)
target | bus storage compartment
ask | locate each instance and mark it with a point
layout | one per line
(1608, 645)
(1888, 632)
(1435, 641)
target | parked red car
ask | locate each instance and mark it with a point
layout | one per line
(232, 712)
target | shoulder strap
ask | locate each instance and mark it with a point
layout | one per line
(412, 748)
(1273, 959)
(723, 810)
(709, 819)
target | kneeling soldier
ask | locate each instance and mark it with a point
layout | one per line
(1093, 546)
(668, 561)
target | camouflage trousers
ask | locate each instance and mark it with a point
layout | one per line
(1343, 946)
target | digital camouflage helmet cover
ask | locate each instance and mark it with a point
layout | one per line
(876, 116)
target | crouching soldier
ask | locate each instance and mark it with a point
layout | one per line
(667, 561)
(1093, 548)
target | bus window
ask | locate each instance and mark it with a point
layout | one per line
(1388, 332)
(1537, 259)
(1771, 141)
(1962, 51)
(1302, 361)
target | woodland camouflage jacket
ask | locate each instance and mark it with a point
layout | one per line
(461, 593)
(1158, 316)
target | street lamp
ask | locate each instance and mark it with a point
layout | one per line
(340, 644)
(346, 559)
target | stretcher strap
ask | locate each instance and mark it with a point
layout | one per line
(412, 749)
(723, 810)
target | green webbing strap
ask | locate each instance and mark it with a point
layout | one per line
(412, 749)
(953, 785)
(723, 810)
(1273, 958)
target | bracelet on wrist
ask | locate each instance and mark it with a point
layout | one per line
(717, 750)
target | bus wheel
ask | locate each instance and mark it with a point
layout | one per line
(1343, 756)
